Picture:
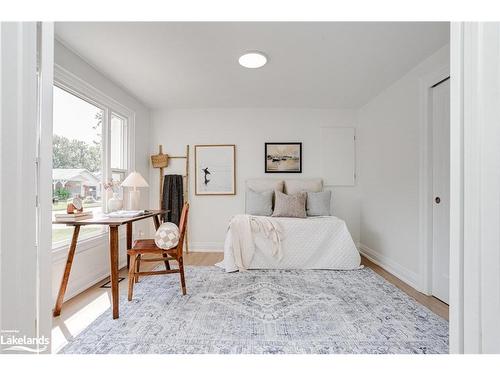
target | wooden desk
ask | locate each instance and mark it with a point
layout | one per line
(113, 224)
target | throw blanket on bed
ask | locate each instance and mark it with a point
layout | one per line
(243, 228)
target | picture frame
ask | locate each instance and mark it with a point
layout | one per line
(283, 157)
(215, 169)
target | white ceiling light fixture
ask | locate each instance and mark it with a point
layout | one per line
(253, 60)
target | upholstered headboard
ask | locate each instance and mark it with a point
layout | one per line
(285, 185)
(296, 185)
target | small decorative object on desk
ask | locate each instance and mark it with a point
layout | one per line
(112, 189)
(115, 203)
(76, 205)
(134, 180)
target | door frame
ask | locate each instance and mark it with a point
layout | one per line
(45, 46)
(425, 177)
(475, 176)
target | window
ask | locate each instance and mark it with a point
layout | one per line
(90, 158)
(118, 147)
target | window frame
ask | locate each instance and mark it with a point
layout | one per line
(125, 154)
(74, 85)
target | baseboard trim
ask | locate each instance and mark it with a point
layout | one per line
(404, 274)
(206, 247)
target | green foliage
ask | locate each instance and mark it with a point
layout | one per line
(97, 127)
(62, 193)
(75, 154)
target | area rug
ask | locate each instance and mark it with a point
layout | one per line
(267, 311)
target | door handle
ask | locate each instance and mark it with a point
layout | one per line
(437, 200)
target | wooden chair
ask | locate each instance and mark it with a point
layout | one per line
(141, 247)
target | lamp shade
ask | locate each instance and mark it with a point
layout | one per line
(134, 180)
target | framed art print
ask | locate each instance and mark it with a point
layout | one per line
(283, 157)
(215, 170)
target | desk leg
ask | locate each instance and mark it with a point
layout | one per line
(129, 242)
(67, 270)
(113, 257)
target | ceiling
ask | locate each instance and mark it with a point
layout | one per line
(311, 64)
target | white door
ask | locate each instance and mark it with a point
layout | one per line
(441, 190)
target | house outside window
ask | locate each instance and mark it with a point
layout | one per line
(90, 157)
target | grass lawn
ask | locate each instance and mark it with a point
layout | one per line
(64, 233)
(61, 232)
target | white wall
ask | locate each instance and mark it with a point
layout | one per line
(92, 259)
(388, 150)
(249, 129)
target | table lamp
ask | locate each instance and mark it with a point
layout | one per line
(134, 180)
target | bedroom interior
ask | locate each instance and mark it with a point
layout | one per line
(250, 188)
(308, 208)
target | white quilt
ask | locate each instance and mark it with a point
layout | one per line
(313, 243)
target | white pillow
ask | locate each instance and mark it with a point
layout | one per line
(167, 236)
(265, 184)
(308, 184)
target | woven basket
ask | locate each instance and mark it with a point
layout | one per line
(159, 161)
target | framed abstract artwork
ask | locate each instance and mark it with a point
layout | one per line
(283, 157)
(215, 169)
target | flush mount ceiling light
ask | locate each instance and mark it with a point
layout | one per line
(253, 60)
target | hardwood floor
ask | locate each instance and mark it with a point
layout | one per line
(79, 312)
(432, 303)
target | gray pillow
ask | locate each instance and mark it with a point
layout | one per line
(293, 205)
(259, 203)
(318, 204)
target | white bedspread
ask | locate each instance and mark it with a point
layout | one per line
(313, 243)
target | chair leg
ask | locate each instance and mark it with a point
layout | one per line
(183, 281)
(131, 276)
(167, 264)
(138, 267)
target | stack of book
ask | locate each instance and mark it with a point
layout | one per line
(74, 217)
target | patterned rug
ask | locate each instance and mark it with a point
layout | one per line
(268, 311)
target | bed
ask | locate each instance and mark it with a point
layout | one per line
(318, 242)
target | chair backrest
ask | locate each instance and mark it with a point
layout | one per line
(182, 228)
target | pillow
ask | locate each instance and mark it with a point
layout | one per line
(265, 184)
(309, 184)
(259, 203)
(290, 205)
(318, 204)
(167, 236)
